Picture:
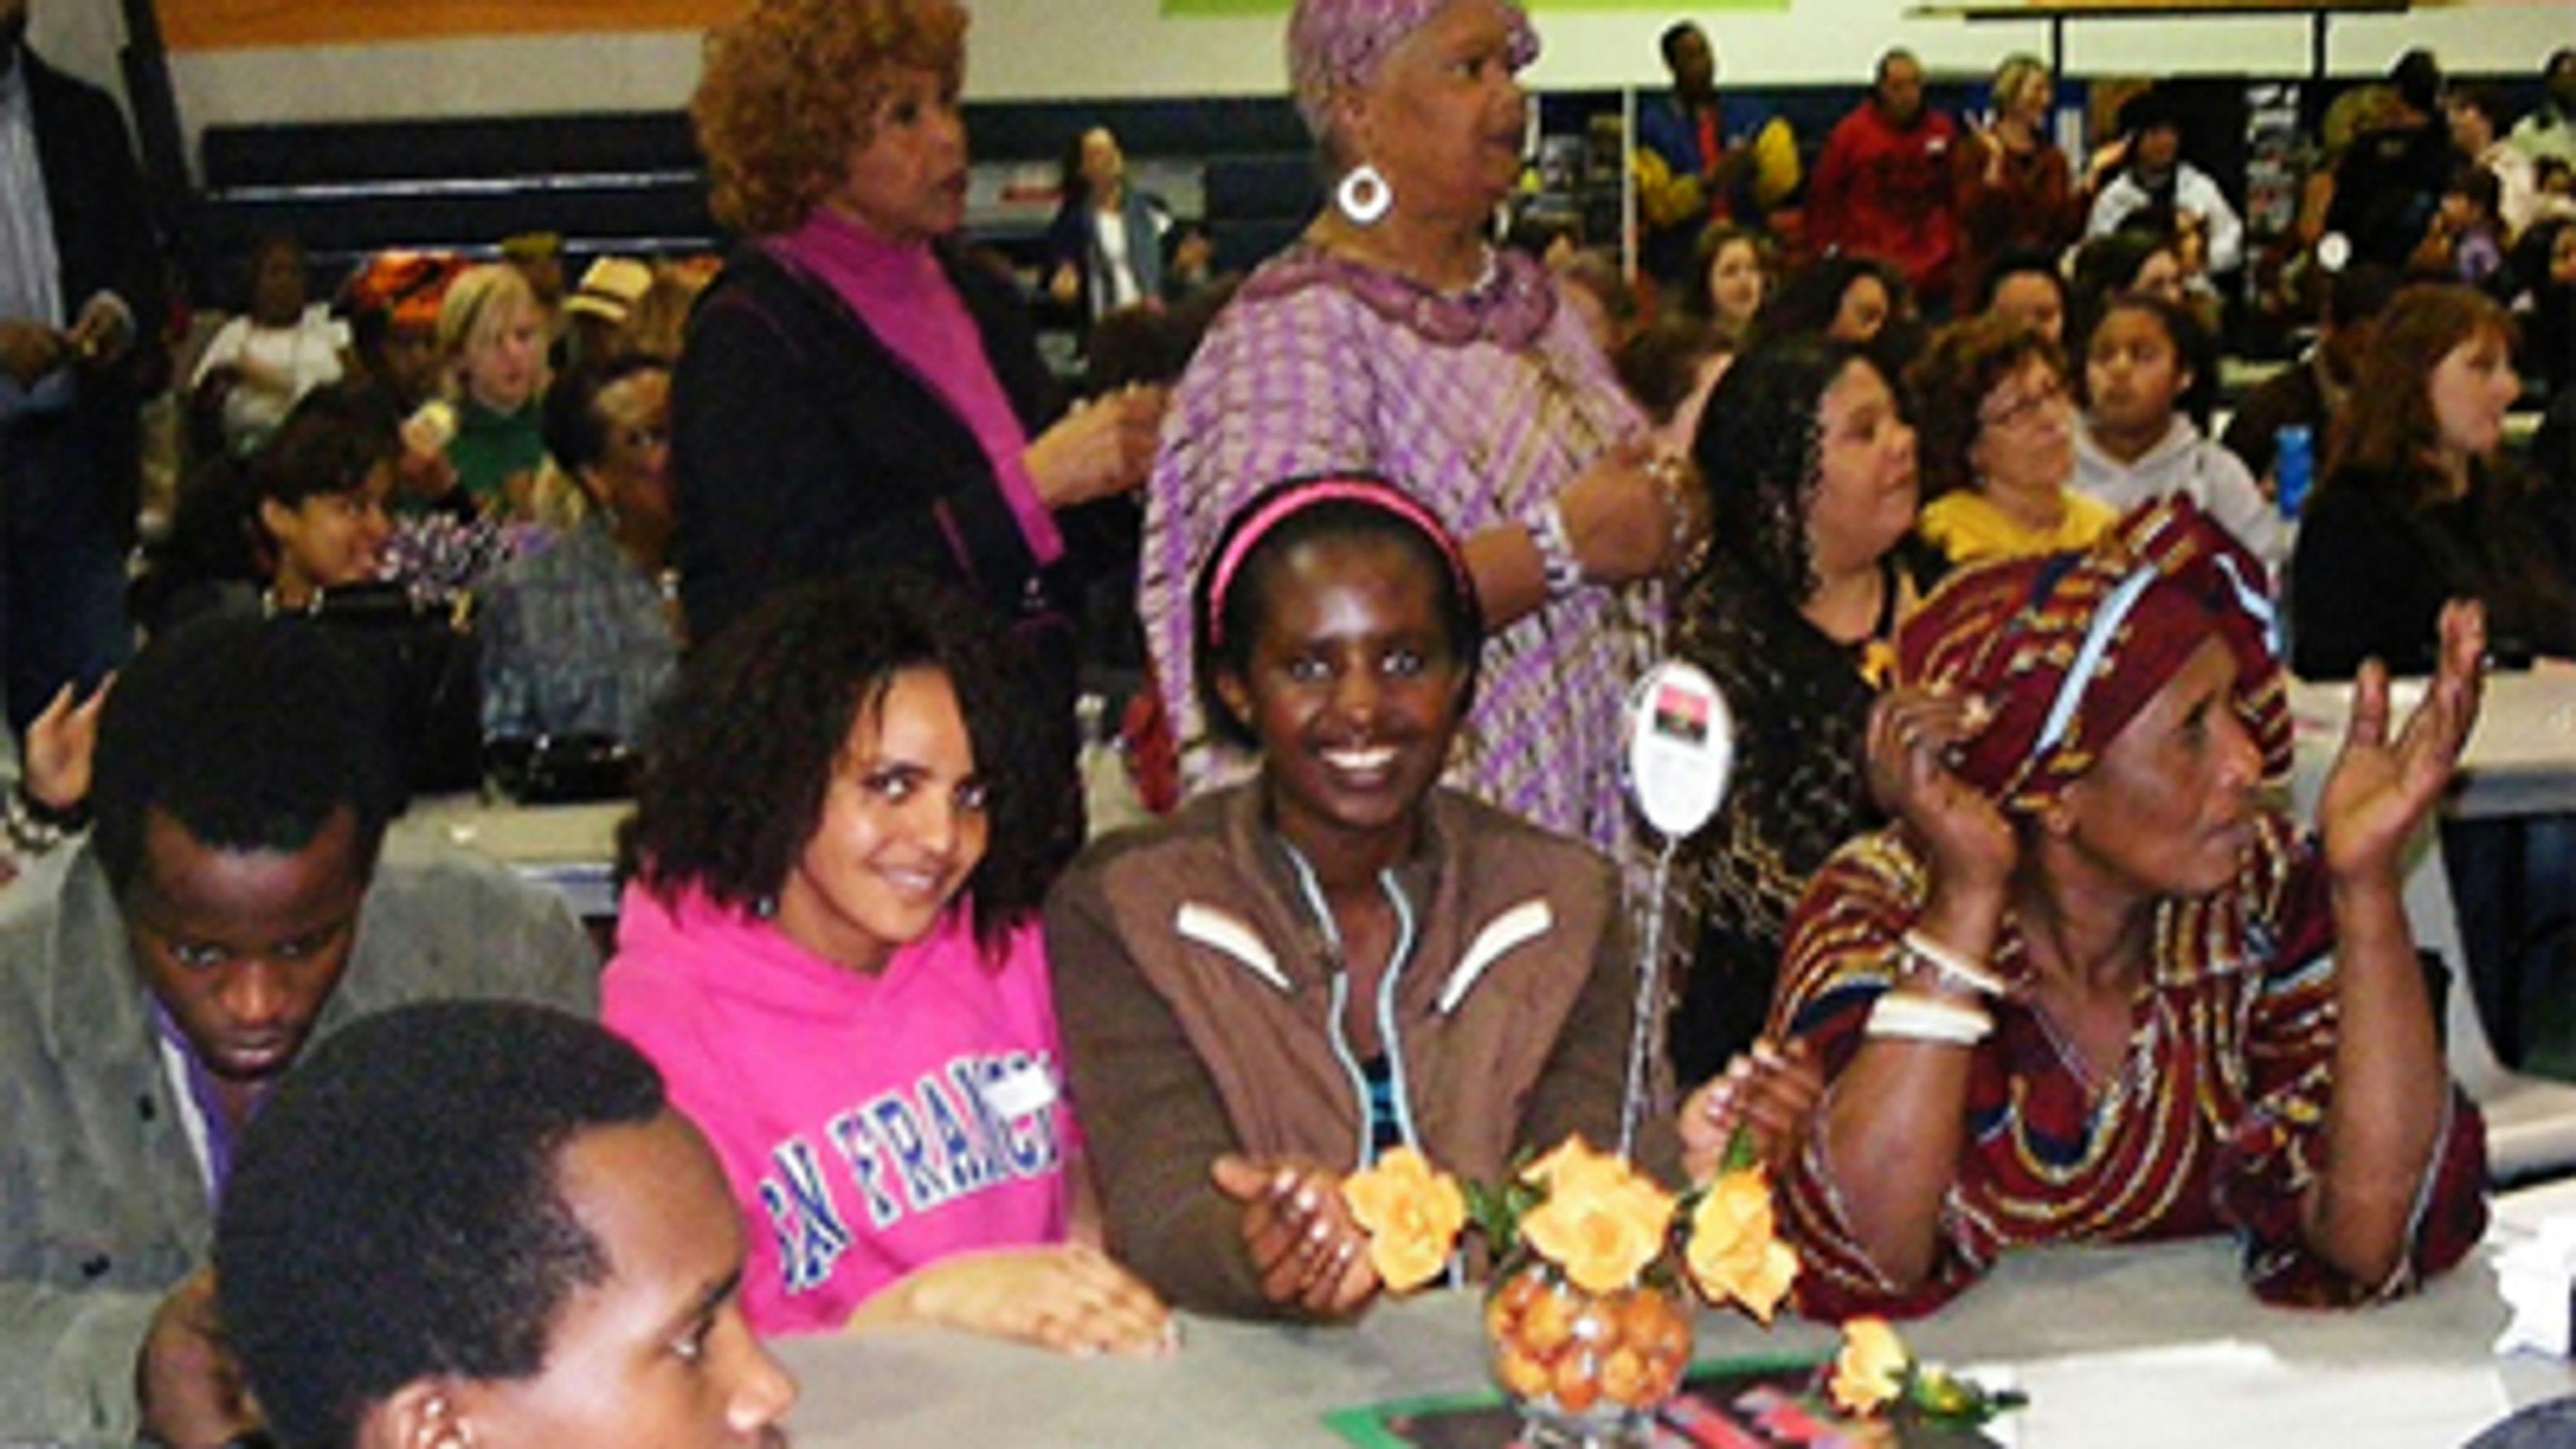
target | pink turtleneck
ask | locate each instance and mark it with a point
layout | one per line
(904, 298)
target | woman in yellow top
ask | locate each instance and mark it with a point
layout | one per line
(1998, 446)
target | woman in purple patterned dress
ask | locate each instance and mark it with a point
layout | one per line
(1393, 338)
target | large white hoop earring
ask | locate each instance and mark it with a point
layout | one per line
(1364, 195)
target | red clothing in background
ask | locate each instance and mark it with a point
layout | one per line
(1886, 193)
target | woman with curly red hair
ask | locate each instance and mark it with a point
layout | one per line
(856, 391)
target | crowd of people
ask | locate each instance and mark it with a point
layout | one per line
(1999, 937)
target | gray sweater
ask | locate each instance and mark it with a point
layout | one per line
(102, 1204)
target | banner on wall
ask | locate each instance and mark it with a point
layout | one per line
(1281, 7)
(245, 24)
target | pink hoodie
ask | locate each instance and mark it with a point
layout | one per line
(868, 1125)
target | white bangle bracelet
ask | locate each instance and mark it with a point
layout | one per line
(1556, 560)
(1911, 1016)
(1952, 965)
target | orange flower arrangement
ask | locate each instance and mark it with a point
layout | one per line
(1601, 1220)
(1875, 1373)
(1587, 1315)
(1413, 1215)
(1734, 1251)
(1869, 1372)
(1588, 1214)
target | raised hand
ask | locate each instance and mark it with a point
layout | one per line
(1911, 731)
(2380, 789)
(1305, 1248)
(59, 744)
(1065, 1296)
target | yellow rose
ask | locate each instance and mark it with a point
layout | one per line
(1412, 1214)
(1870, 1369)
(1601, 1227)
(1734, 1250)
(1574, 1167)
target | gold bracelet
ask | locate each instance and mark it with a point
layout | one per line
(1684, 553)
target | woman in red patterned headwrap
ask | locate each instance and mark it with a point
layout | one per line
(2091, 986)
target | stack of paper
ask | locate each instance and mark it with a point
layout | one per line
(2233, 1393)
(2537, 1278)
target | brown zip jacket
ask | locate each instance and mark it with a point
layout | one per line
(1195, 988)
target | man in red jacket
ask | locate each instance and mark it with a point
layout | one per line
(1883, 186)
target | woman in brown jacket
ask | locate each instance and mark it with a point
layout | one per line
(1340, 957)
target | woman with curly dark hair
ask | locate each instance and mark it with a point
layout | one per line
(828, 944)
(855, 391)
(1809, 463)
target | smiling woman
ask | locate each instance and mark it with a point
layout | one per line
(1341, 958)
(827, 944)
(856, 392)
(1393, 340)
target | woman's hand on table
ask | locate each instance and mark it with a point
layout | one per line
(1100, 449)
(1771, 1091)
(1911, 733)
(1306, 1250)
(2380, 787)
(1064, 1296)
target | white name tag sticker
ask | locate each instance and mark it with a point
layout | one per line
(1020, 1091)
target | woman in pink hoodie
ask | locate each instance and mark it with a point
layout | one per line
(828, 944)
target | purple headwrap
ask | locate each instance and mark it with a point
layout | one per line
(1337, 43)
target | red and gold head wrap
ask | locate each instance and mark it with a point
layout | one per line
(2066, 649)
(405, 287)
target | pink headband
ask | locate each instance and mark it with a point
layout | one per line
(1294, 498)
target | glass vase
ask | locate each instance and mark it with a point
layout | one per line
(1586, 1370)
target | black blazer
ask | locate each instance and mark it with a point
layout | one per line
(103, 238)
(803, 448)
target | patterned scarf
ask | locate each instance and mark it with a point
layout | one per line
(2066, 649)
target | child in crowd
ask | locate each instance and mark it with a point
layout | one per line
(2130, 260)
(1340, 957)
(828, 945)
(2145, 363)
(492, 335)
(1591, 282)
(2464, 242)
(1735, 279)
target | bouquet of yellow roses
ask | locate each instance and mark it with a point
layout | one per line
(1589, 1216)
(1587, 1317)
(1592, 1254)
